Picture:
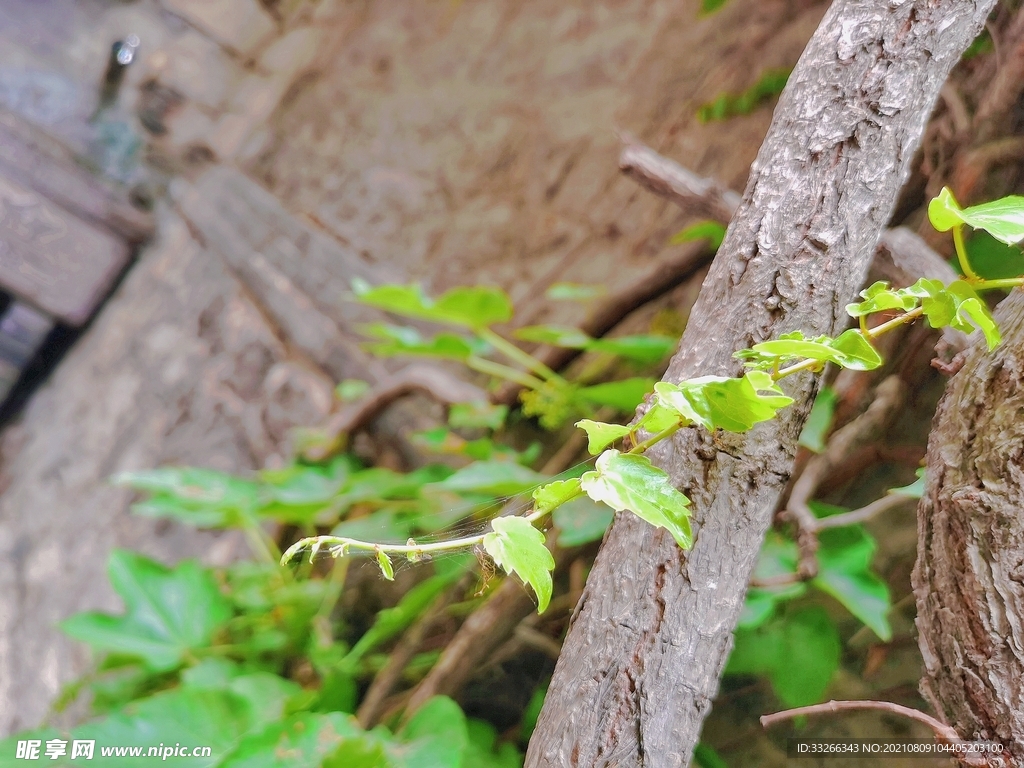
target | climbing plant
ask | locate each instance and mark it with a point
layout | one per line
(623, 477)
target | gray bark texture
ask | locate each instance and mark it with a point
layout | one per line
(969, 578)
(652, 632)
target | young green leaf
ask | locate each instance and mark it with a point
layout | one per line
(958, 306)
(1003, 218)
(879, 297)
(991, 259)
(717, 402)
(351, 389)
(819, 420)
(517, 547)
(168, 613)
(555, 335)
(916, 489)
(644, 349)
(623, 395)
(712, 231)
(495, 478)
(641, 348)
(574, 291)
(854, 351)
(472, 307)
(556, 493)
(661, 417)
(626, 481)
(581, 521)
(807, 634)
(205, 486)
(844, 560)
(403, 340)
(778, 557)
(600, 435)
(301, 740)
(477, 415)
(386, 569)
(850, 350)
(435, 737)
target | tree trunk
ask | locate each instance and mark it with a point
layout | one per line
(969, 578)
(653, 629)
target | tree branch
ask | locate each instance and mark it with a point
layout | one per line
(652, 632)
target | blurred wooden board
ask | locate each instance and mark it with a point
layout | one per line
(64, 235)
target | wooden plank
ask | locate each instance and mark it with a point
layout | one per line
(39, 161)
(60, 263)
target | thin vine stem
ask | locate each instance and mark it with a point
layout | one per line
(340, 545)
(514, 353)
(500, 371)
(961, 253)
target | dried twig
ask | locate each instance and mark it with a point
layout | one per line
(943, 732)
(695, 195)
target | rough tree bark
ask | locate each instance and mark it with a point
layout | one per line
(969, 578)
(651, 634)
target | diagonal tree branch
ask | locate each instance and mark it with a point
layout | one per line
(653, 629)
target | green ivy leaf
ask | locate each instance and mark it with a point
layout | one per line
(644, 349)
(600, 435)
(574, 291)
(214, 718)
(710, 6)
(386, 568)
(778, 557)
(916, 489)
(477, 415)
(516, 546)
(1003, 218)
(302, 740)
(641, 348)
(435, 737)
(991, 259)
(712, 231)
(168, 613)
(581, 521)
(807, 634)
(555, 335)
(623, 395)
(659, 418)
(819, 420)
(854, 351)
(495, 478)
(299, 484)
(556, 493)
(351, 389)
(958, 306)
(202, 497)
(403, 340)
(626, 481)
(844, 572)
(850, 350)
(717, 402)
(879, 297)
(472, 307)
(485, 751)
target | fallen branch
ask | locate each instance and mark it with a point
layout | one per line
(696, 195)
